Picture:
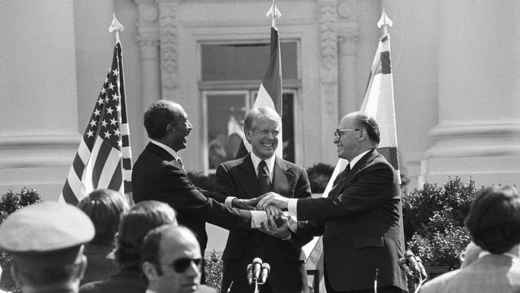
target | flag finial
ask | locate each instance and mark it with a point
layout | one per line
(116, 26)
(274, 12)
(385, 21)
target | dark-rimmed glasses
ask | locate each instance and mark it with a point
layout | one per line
(180, 265)
(339, 132)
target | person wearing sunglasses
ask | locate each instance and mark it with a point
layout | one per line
(171, 261)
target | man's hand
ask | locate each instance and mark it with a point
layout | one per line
(247, 204)
(272, 199)
(272, 228)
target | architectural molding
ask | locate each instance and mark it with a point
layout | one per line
(168, 33)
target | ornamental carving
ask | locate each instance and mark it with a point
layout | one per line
(168, 24)
(328, 40)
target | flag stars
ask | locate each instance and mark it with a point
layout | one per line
(90, 133)
(107, 135)
(100, 101)
(103, 90)
(115, 97)
(97, 112)
(115, 71)
(104, 123)
(110, 110)
(118, 108)
(119, 143)
(111, 86)
(113, 121)
(117, 132)
(93, 123)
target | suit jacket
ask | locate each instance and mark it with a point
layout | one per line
(361, 224)
(288, 274)
(490, 273)
(158, 176)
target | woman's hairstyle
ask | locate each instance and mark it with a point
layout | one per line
(134, 226)
(104, 207)
(494, 219)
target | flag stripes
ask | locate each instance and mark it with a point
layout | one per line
(104, 157)
(269, 93)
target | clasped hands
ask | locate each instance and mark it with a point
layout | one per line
(272, 203)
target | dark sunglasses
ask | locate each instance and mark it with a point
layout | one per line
(180, 265)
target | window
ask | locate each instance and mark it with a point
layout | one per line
(230, 77)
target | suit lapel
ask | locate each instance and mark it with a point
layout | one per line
(362, 163)
(282, 177)
(247, 177)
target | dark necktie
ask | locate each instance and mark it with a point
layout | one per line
(341, 177)
(263, 177)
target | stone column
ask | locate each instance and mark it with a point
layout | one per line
(38, 93)
(478, 134)
(348, 38)
(148, 41)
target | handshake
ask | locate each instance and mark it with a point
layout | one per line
(272, 203)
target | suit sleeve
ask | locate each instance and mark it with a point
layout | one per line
(302, 190)
(176, 189)
(372, 187)
(225, 183)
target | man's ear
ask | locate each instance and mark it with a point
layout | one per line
(83, 267)
(149, 271)
(248, 134)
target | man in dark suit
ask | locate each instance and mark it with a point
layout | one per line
(158, 174)
(361, 219)
(243, 178)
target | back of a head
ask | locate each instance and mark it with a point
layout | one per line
(134, 226)
(46, 244)
(158, 116)
(367, 122)
(104, 207)
(494, 219)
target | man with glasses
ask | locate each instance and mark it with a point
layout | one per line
(171, 261)
(361, 219)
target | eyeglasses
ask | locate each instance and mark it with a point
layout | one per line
(180, 265)
(339, 132)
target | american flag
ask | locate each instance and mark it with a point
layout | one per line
(104, 157)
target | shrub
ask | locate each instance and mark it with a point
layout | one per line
(434, 221)
(319, 176)
(9, 203)
(213, 269)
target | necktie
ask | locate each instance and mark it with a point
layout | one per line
(263, 177)
(180, 162)
(342, 176)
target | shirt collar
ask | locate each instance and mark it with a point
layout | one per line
(357, 158)
(269, 162)
(511, 255)
(166, 148)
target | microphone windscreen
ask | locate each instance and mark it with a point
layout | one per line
(266, 268)
(249, 271)
(257, 267)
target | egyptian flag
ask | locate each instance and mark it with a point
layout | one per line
(379, 103)
(270, 92)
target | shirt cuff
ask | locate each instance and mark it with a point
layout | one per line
(258, 217)
(291, 207)
(229, 201)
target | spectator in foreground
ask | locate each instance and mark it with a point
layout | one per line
(494, 225)
(46, 242)
(171, 261)
(104, 207)
(134, 226)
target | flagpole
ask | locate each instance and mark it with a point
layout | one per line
(116, 26)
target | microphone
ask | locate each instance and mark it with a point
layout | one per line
(257, 267)
(266, 268)
(249, 271)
